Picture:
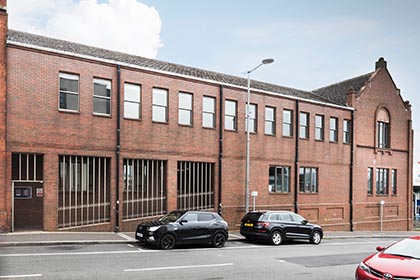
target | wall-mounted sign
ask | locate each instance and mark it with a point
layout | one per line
(39, 192)
(23, 192)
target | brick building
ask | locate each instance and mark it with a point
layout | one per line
(97, 140)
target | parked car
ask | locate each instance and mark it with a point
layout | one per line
(277, 226)
(184, 227)
(401, 260)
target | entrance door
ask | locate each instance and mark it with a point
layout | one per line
(28, 206)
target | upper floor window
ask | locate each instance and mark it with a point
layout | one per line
(333, 129)
(160, 105)
(346, 131)
(381, 181)
(132, 99)
(287, 123)
(252, 118)
(304, 125)
(383, 129)
(69, 92)
(102, 96)
(270, 120)
(279, 179)
(230, 115)
(308, 179)
(185, 104)
(209, 112)
(319, 127)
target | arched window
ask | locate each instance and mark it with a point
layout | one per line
(383, 129)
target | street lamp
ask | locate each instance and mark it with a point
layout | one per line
(264, 61)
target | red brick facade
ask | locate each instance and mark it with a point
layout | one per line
(35, 125)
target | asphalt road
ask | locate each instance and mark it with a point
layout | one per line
(332, 259)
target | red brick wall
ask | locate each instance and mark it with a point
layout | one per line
(3, 89)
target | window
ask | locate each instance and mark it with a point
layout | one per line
(333, 129)
(270, 120)
(394, 181)
(287, 123)
(27, 167)
(319, 127)
(83, 190)
(346, 132)
(230, 115)
(304, 125)
(132, 99)
(102, 96)
(195, 186)
(370, 181)
(381, 181)
(308, 179)
(69, 92)
(252, 118)
(279, 179)
(383, 129)
(209, 112)
(144, 188)
(160, 105)
(185, 103)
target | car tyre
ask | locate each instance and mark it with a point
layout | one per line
(219, 240)
(315, 237)
(276, 238)
(167, 242)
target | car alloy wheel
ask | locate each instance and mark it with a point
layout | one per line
(167, 242)
(219, 240)
(316, 237)
(276, 238)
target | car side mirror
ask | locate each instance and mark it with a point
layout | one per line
(379, 248)
(304, 222)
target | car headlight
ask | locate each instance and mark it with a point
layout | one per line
(364, 267)
(152, 229)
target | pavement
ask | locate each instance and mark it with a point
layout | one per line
(35, 238)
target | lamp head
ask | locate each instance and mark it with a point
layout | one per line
(267, 61)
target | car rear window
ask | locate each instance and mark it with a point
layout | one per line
(252, 216)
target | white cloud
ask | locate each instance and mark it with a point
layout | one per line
(122, 25)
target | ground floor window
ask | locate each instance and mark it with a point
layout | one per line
(195, 185)
(382, 181)
(144, 188)
(279, 179)
(84, 191)
(308, 179)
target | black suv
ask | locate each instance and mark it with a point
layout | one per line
(276, 226)
(184, 227)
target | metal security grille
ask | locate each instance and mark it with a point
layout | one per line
(84, 191)
(27, 167)
(195, 185)
(144, 188)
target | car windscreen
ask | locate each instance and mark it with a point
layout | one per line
(405, 248)
(252, 217)
(171, 217)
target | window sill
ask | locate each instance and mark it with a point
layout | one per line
(68, 111)
(157, 122)
(383, 151)
(272, 135)
(102, 115)
(210, 128)
(186, 125)
(132, 119)
(309, 193)
(286, 136)
(279, 193)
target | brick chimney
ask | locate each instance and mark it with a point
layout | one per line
(381, 63)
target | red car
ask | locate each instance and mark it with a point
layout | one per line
(400, 260)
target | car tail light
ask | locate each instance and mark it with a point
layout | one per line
(263, 224)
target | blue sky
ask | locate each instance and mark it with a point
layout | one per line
(314, 42)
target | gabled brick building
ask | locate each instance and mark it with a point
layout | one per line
(93, 139)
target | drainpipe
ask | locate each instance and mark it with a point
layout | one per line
(117, 152)
(351, 171)
(219, 210)
(296, 157)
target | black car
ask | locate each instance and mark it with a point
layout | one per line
(277, 226)
(184, 227)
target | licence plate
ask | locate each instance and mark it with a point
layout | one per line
(139, 234)
(248, 225)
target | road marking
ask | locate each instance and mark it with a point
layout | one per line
(21, 276)
(70, 254)
(354, 243)
(282, 261)
(177, 267)
(125, 236)
(131, 246)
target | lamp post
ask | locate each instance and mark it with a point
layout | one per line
(265, 61)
